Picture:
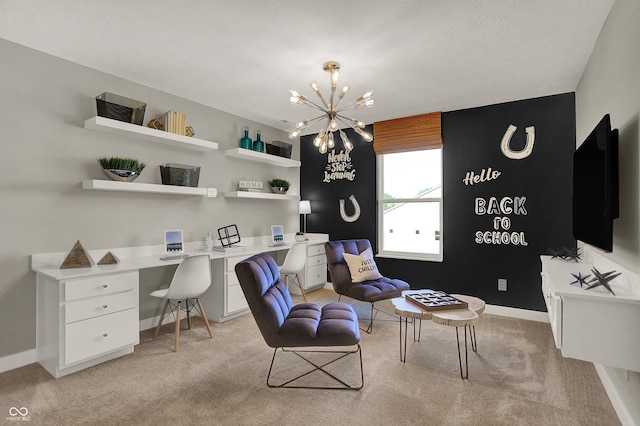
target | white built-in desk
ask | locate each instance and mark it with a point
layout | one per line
(86, 316)
(593, 325)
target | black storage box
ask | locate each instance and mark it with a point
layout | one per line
(281, 149)
(120, 108)
(179, 174)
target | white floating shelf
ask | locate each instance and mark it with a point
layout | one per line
(274, 160)
(260, 195)
(110, 185)
(121, 128)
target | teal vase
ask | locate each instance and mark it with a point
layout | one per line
(245, 142)
(258, 145)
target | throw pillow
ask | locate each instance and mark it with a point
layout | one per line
(362, 267)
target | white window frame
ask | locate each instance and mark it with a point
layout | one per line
(380, 206)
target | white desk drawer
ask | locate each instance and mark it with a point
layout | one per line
(316, 275)
(96, 306)
(314, 250)
(232, 279)
(317, 260)
(98, 286)
(235, 299)
(97, 336)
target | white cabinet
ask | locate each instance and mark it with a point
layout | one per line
(592, 325)
(85, 321)
(234, 300)
(315, 271)
(225, 300)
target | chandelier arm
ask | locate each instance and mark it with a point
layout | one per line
(310, 123)
(351, 120)
(342, 119)
(311, 104)
(322, 99)
(350, 104)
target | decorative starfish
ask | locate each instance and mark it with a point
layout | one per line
(571, 254)
(602, 279)
(555, 254)
(565, 254)
(579, 279)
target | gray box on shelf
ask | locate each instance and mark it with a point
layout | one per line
(179, 174)
(281, 149)
(119, 108)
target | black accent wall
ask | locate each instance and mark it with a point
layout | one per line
(527, 200)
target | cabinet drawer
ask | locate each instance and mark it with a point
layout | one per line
(98, 286)
(317, 260)
(103, 305)
(314, 250)
(232, 279)
(235, 299)
(93, 337)
(233, 261)
(316, 275)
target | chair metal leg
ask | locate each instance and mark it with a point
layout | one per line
(177, 324)
(342, 385)
(164, 311)
(188, 311)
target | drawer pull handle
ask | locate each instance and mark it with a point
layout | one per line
(104, 286)
(104, 306)
(105, 334)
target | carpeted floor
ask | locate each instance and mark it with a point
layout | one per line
(517, 377)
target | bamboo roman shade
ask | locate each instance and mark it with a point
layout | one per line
(407, 134)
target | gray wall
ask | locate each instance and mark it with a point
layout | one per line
(611, 84)
(45, 153)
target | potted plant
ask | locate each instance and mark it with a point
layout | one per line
(121, 169)
(300, 236)
(279, 186)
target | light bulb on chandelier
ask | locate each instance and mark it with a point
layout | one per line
(332, 115)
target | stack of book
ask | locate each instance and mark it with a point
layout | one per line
(175, 122)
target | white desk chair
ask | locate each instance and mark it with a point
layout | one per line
(191, 279)
(294, 263)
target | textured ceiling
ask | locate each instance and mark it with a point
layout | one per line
(242, 56)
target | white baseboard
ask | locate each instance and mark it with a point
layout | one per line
(621, 394)
(18, 360)
(525, 314)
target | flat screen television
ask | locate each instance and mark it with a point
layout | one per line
(595, 186)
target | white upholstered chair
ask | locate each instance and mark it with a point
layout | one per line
(191, 279)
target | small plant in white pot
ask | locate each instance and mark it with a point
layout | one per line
(300, 236)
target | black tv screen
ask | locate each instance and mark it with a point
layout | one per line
(595, 186)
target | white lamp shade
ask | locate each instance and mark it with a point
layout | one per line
(305, 207)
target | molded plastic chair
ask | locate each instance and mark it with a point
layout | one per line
(294, 263)
(367, 291)
(191, 279)
(302, 328)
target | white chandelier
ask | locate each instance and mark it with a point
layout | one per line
(332, 113)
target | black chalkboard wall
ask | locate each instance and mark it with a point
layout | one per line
(537, 210)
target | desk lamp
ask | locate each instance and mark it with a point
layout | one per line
(305, 209)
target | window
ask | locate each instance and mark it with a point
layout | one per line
(410, 205)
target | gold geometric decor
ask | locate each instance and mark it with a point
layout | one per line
(77, 258)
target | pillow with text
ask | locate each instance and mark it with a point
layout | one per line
(362, 267)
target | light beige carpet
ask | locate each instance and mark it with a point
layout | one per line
(517, 377)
